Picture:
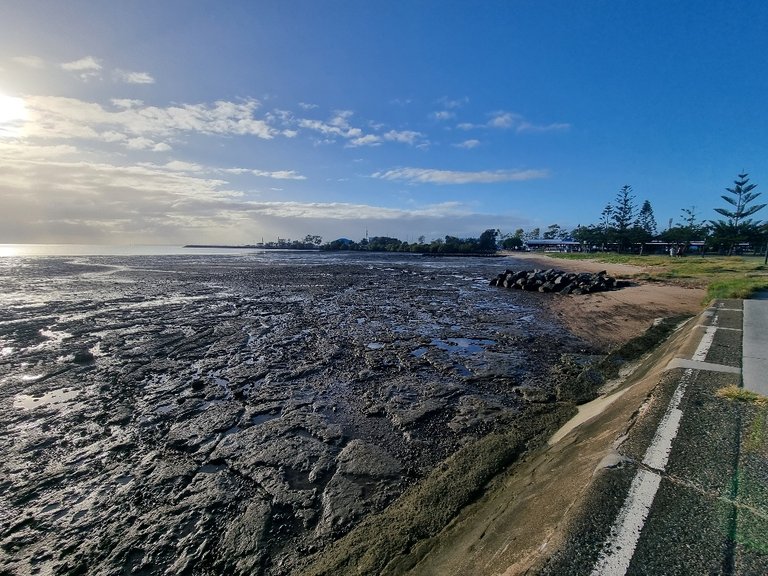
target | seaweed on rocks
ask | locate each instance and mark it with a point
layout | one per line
(382, 542)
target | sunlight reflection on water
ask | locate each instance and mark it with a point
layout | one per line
(54, 397)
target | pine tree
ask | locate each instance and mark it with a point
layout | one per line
(623, 213)
(738, 227)
(605, 223)
(646, 220)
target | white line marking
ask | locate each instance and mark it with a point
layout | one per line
(707, 366)
(720, 328)
(619, 547)
(629, 523)
(657, 455)
(706, 341)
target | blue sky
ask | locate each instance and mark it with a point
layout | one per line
(179, 121)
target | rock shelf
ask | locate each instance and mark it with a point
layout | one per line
(218, 415)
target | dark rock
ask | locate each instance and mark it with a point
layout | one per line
(552, 280)
(83, 357)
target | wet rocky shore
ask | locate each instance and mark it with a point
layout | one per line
(212, 414)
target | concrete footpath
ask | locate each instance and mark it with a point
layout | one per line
(686, 491)
(755, 368)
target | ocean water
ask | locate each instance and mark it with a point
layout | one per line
(107, 250)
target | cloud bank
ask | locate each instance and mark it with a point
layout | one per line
(55, 199)
(431, 176)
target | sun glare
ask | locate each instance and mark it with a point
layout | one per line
(13, 114)
(8, 250)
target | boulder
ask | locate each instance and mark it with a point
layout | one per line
(552, 280)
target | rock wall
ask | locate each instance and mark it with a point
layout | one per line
(552, 280)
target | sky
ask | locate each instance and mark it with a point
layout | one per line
(174, 122)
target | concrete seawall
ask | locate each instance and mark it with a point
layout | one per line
(559, 511)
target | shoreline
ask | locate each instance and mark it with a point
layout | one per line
(429, 390)
(280, 401)
(609, 319)
(517, 515)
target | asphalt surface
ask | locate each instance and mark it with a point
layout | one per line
(756, 346)
(689, 492)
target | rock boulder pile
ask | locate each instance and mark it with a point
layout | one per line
(557, 281)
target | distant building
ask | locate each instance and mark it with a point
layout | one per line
(553, 245)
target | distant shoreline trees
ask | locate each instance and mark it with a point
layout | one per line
(621, 227)
(485, 244)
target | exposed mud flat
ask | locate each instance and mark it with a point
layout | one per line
(208, 415)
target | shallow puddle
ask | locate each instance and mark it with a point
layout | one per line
(462, 345)
(55, 397)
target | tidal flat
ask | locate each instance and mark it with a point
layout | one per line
(235, 414)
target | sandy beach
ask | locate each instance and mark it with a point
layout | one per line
(608, 319)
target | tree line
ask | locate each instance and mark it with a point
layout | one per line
(623, 226)
(485, 244)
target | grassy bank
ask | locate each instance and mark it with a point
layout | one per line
(722, 276)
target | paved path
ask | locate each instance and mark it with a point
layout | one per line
(755, 346)
(688, 495)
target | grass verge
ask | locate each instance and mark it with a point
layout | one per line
(722, 276)
(739, 394)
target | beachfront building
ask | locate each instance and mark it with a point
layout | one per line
(555, 245)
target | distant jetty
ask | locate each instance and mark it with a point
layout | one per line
(234, 247)
(248, 247)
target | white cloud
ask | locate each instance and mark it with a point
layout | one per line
(307, 106)
(279, 174)
(87, 68)
(82, 65)
(504, 120)
(133, 77)
(367, 140)
(50, 195)
(68, 118)
(180, 166)
(30, 61)
(276, 174)
(452, 104)
(468, 144)
(126, 103)
(404, 136)
(430, 176)
(443, 115)
(339, 126)
(555, 127)
(511, 121)
(140, 143)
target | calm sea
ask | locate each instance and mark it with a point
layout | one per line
(109, 250)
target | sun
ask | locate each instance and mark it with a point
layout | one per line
(13, 113)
